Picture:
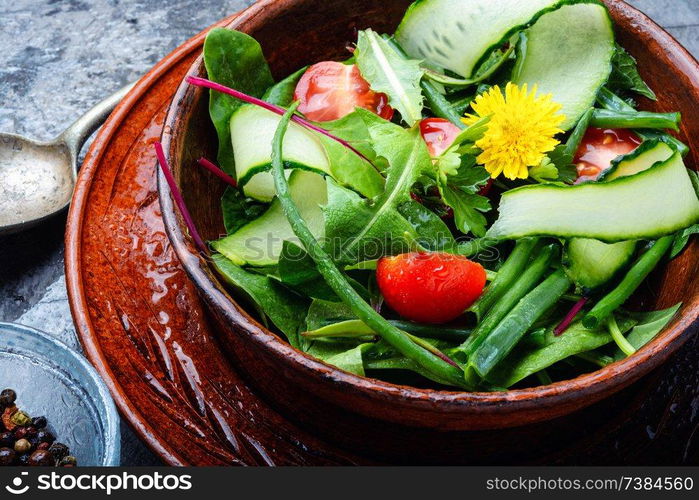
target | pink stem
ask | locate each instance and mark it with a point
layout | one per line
(203, 82)
(563, 325)
(211, 167)
(179, 200)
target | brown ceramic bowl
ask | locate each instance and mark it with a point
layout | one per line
(294, 33)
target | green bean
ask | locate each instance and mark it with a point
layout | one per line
(638, 272)
(439, 104)
(510, 271)
(522, 286)
(514, 326)
(357, 328)
(611, 101)
(605, 118)
(471, 247)
(571, 145)
(459, 106)
(338, 282)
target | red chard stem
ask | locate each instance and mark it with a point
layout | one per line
(211, 167)
(563, 325)
(179, 200)
(203, 82)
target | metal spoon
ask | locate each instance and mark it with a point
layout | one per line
(37, 178)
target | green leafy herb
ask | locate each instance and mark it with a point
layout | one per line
(235, 60)
(625, 74)
(459, 191)
(682, 239)
(359, 229)
(282, 93)
(389, 72)
(648, 325)
(285, 309)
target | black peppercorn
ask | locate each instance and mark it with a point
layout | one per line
(44, 436)
(69, 461)
(7, 456)
(8, 397)
(7, 439)
(41, 458)
(59, 450)
(22, 446)
(39, 422)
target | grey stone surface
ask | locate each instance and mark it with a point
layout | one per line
(58, 57)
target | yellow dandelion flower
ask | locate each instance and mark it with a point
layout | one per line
(520, 132)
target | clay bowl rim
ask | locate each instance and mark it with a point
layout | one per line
(592, 386)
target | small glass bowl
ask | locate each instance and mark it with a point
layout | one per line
(53, 380)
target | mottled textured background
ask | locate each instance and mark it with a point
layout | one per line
(58, 57)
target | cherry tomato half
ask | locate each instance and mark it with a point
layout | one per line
(330, 90)
(438, 134)
(599, 147)
(430, 287)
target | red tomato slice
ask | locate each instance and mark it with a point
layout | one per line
(438, 134)
(599, 147)
(330, 90)
(430, 287)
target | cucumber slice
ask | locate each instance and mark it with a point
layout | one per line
(252, 131)
(648, 205)
(569, 45)
(591, 263)
(459, 34)
(259, 243)
(568, 54)
(642, 158)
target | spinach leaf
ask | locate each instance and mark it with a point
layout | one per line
(381, 356)
(527, 359)
(682, 239)
(285, 309)
(625, 74)
(649, 324)
(239, 210)
(360, 229)
(233, 59)
(282, 93)
(298, 270)
(323, 312)
(387, 71)
(343, 354)
(353, 128)
(432, 233)
(348, 169)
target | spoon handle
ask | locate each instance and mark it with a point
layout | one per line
(75, 136)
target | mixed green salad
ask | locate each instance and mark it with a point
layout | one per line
(469, 202)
